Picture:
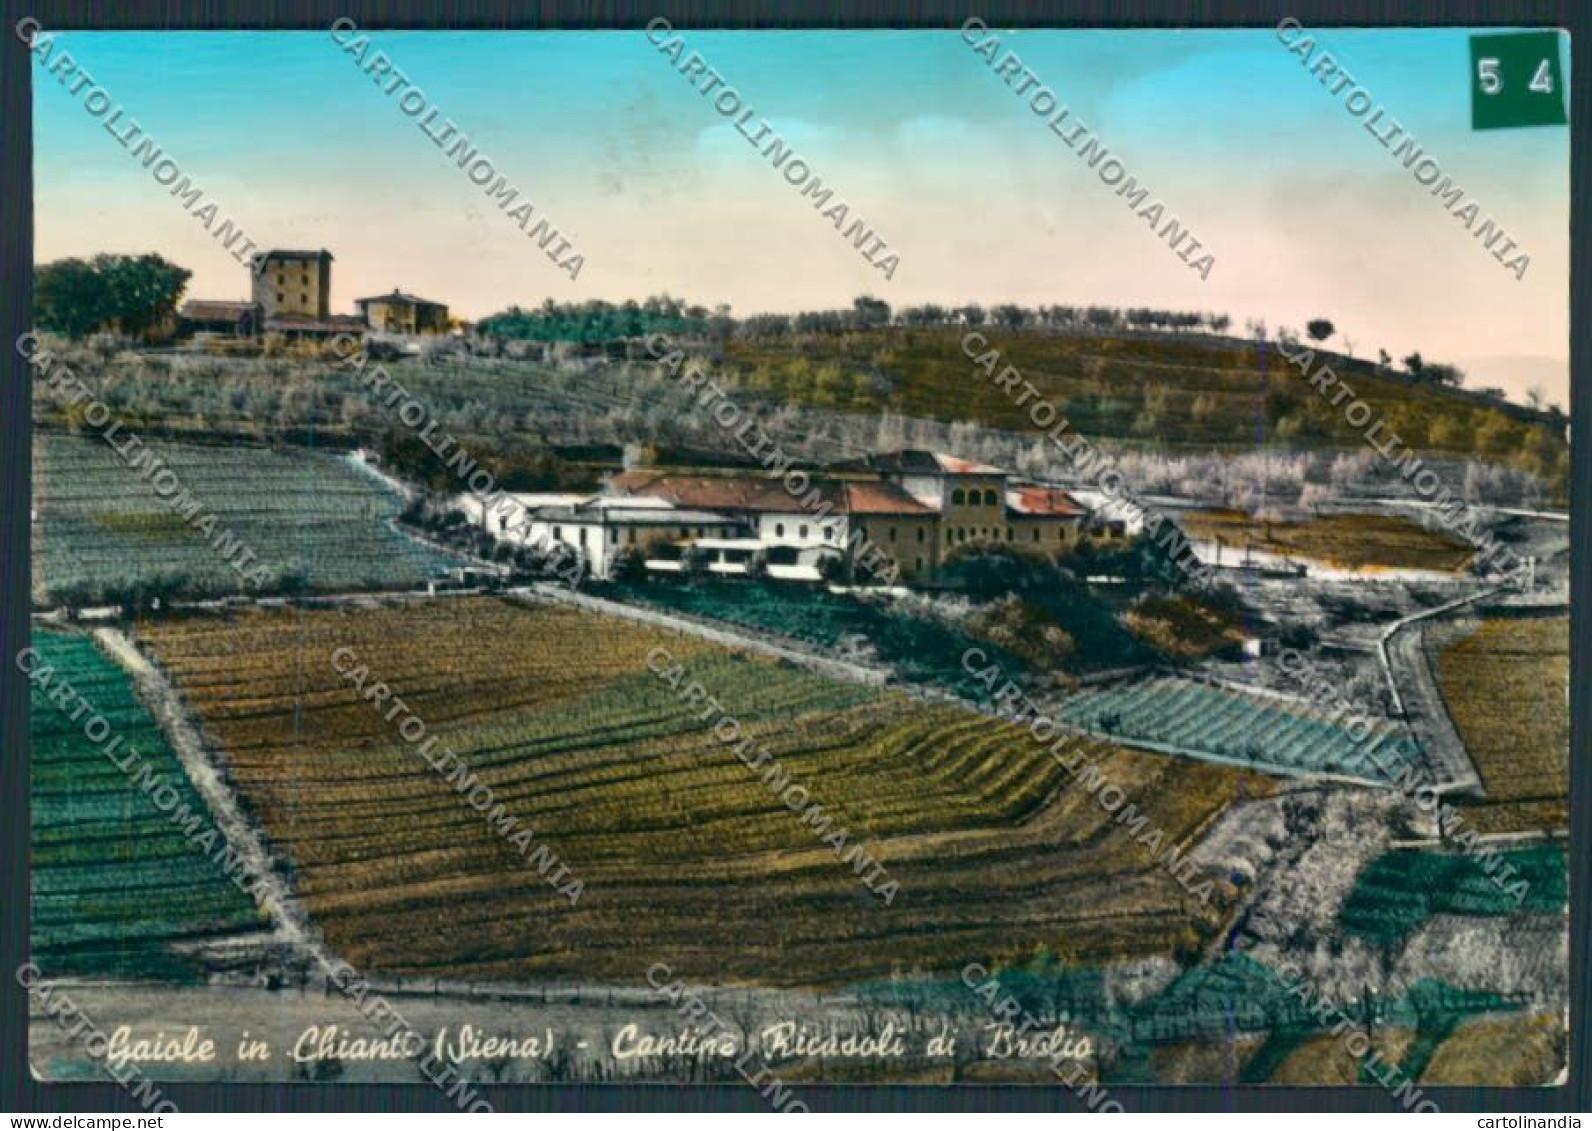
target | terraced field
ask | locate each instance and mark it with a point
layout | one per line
(1225, 725)
(1507, 686)
(686, 855)
(1403, 889)
(1353, 541)
(116, 885)
(101, 530)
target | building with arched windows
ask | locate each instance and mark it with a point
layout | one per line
(913, 507)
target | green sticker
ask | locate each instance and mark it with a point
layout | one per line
(1515, 80)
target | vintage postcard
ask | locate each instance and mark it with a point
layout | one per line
(790, 558)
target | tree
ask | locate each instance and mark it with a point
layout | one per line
(1383, 358)
(144, 290)
(1010, 315)
(871, 311)
(1415, 364)
(1320, 329)
(71, 298)
(133, 294)
(1450, 375)
(1535, 396)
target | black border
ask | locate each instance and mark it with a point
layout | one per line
(20, 1093)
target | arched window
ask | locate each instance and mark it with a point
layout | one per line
(803, 531)
(958, 497)
(920, 534)
(779, 530)
(989, 497)
(1036, 534)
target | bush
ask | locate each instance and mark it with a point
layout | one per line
(992, 571)
(631, 565)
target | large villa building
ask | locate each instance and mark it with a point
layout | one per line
(914, 506)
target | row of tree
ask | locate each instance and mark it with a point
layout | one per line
(595, 320)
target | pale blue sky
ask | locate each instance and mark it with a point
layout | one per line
(1305, 212)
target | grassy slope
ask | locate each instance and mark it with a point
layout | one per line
(1355, 541)
(1507, 688)
(1162, 391)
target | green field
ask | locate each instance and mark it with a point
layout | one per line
(1181, 715)
(102, 533)
(115, 882)
(915, 647)
(1403, 889)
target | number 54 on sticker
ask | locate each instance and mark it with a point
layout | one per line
(1515, 80)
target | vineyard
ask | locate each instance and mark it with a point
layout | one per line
(1225, 725)
(686, 855)
(115, 883)
(1403, 889)
(1507, 687)
(914, 647)
(101, 531)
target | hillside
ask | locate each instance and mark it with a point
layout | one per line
(1161, 390)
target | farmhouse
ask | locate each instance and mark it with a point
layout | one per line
(400, 313)
(291, 294)
(229, 319)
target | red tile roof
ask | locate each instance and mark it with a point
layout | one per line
(766, 494)
(713, 492)
(882, 498)
(1043, 502)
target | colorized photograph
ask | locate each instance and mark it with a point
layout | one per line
(789, 558)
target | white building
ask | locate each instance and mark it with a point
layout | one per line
(603, 530)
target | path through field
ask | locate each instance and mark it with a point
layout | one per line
(287, 916)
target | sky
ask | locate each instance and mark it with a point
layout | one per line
(1304, 213)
